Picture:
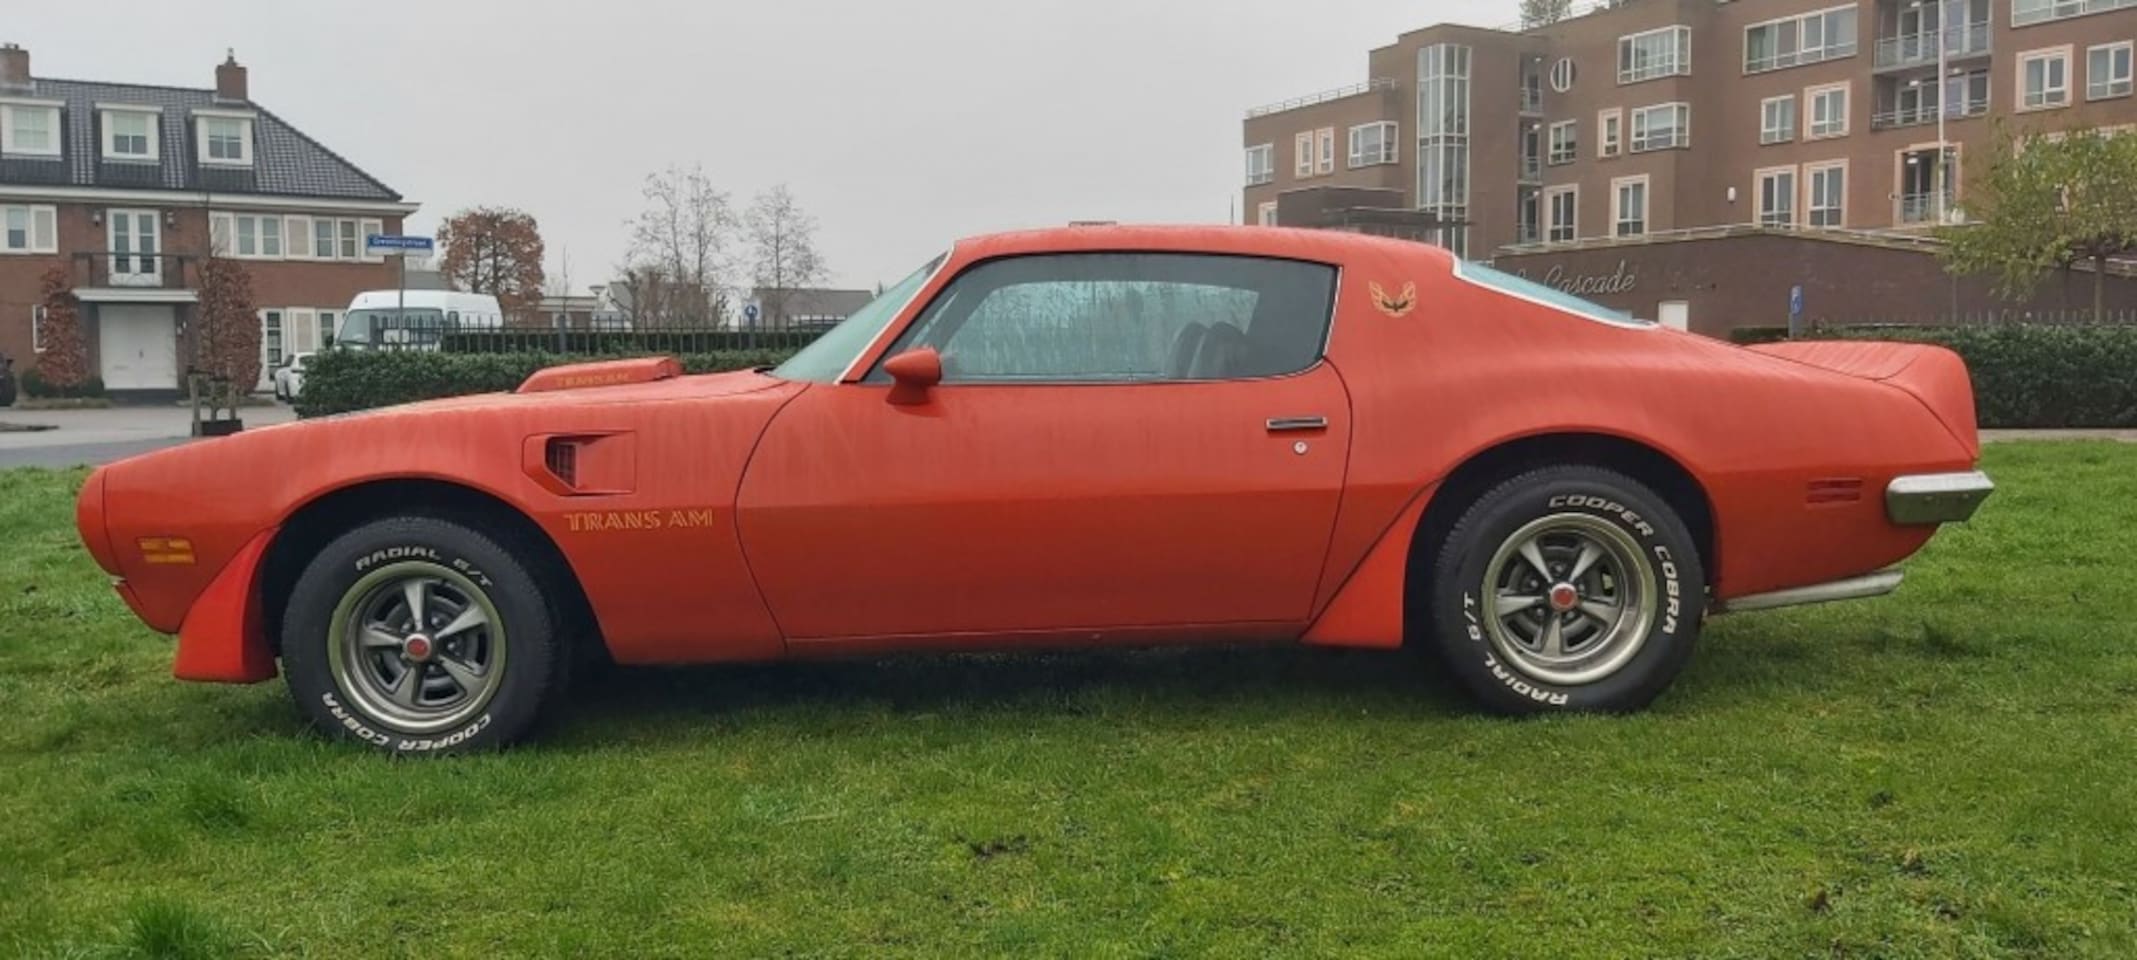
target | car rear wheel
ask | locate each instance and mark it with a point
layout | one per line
(419, 635)
(1567, 589)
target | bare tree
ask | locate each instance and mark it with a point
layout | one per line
(679, 249)
(783, 255)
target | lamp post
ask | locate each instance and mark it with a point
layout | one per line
(1943, 183)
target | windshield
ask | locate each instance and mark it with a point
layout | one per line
(832, 353)
(1526, 289)
(373, 327)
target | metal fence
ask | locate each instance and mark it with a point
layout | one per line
(639, 339)
(2073, 316)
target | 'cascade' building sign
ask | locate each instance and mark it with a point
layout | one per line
(1623, 280)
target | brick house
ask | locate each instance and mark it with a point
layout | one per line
(132, 187)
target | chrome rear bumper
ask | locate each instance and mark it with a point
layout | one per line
(1930, 498)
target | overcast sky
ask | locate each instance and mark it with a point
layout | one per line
(900, 125)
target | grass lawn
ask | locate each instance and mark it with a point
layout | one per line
(1947, 772)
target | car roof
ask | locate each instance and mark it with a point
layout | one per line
(1330, 246)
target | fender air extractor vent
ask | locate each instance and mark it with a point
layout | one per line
(562, 459)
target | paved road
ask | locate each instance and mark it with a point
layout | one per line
(101, 436)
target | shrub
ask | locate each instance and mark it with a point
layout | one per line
(340, 381)
(2039, 376)
(36, 387)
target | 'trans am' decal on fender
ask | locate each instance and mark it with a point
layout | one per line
(615, 521)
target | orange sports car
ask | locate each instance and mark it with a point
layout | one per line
(1075, 437)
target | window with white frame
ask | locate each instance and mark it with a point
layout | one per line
(2107, 70)
(1265, 214)
(37, 328)
(2024, 12)
(1261, 164)
(1828, 110)
(2044, 78)
(1827, 185)
(1564, 141)
(1326, 138)
(29, 129)
(1661, 127)
(129, 133)
(1777, 119)
(1302, 155)
(271, 337)
(1372, 144)
(1794, 41)
(1628, 206)
(225, 138)
(1561, 214)
(1777, 197)
(277, 237)
(29, 229)
(1665, 52)
(1610, 132)
(326, 327)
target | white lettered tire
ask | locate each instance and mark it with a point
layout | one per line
(418, 635)
(1567, 588)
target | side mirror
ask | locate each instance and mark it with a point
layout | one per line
(915, 371)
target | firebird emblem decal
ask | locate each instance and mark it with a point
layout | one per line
(1397, 306)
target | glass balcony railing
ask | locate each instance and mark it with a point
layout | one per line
(1923, 207)
(1918, 49)
(1917, 116)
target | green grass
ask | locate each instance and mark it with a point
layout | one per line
(1947, 772)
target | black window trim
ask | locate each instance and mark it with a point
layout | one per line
(877, 377)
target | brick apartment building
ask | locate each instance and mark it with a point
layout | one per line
(130, 188)
(1645, 118)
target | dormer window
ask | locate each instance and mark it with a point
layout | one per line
(225, 138)
(29, 129)
(129, 132)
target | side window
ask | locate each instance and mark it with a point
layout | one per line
(1126, 318)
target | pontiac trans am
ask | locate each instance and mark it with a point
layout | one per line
(1085, 436)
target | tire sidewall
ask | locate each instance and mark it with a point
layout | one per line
(1678, 585)
(528, 629)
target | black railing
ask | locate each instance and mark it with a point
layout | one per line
(155, 271)
(638, 339)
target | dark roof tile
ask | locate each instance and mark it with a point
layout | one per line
(285, 162)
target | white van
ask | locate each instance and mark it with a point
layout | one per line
(382, 318)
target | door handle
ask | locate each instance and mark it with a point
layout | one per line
(1293, 424)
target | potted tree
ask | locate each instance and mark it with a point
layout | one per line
(226, 349)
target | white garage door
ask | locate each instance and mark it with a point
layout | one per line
(138, 346)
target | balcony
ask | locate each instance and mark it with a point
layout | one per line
(136, 277)
(1922, 208)
(1910, 50)
(1926, 114)
(1531, 99)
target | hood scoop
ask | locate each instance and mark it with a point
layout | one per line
(607, 373)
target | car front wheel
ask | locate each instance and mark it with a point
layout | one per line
(1567, 589)
(419, 635)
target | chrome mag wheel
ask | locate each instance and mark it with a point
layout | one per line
(418, 646)
(1568, 599)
